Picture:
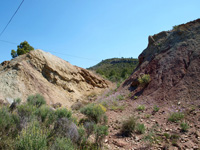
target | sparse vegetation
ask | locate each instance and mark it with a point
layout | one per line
(128, 126)
(36, 100)
(156, 108)
(94, 112)
(32, 137)
(135, 97)
(140, 128)
(141, 108)
(23, 48)
(184, 127)
(144, 79)
(176, 116)
(34, 125)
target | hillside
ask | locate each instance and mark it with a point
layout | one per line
(115, 69)
(41, 72)
(158, 106)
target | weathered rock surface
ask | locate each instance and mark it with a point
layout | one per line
(172, 59)
(41, 72)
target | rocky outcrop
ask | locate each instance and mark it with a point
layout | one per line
(54, 78)
(172, 59)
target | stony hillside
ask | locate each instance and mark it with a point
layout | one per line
(54, 78)
(172, 60)
(115, 69)
(161, 112)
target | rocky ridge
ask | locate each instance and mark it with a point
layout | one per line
(172, 60)
(44, 73)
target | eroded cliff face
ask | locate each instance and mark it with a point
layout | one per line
(172, 59)
(44, 73)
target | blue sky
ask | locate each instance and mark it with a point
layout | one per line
(84, 32)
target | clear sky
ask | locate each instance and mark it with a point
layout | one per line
(84, 32)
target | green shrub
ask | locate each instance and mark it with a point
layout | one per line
(140, 128)
(135, 97)
(176, 116)
(64, 127)
(141, 108)
(62, 144)
(77, 106)
(26, 110)
(128, 126)
(9, 123)
(18, 100)
(94, 112)
(63, 112)
(32, 138)
(144, 79)
(174, 138)
(156, 108)
(184, 127)
(100, 133)
(175, 27)
(120, 97)
(36, 100)
(166, 135)
(46, 115)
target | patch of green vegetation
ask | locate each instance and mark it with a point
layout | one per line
(174, 138)
(184, 127)
(34, 125)
(156, 108)
(115, 69)
(144, 79)
(118, 107)
(32, 137)
(128, 126)
(135, 97)
(120, 97)
(94, 112)
(166, 135)
(176, 116)
(147, 116)
(140, 128)
(141, 108)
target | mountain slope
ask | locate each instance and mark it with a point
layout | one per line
(41, 72)
(115, 69)
(172, 60)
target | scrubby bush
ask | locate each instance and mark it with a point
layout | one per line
(94, 112)
(155, 108)
(32, 138)
(46, 115)
(166, 135)
(77, 106)
(140, 128)
(141, 108)
(26, 110)
(176, 116)
(9, 123)
(100, 133)
(66, 128)
(128, 126)
(120, 97)
(62, 144)
(144, 79)
(184, 127)
(63, 112)
(36, 100)
(89, 128)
